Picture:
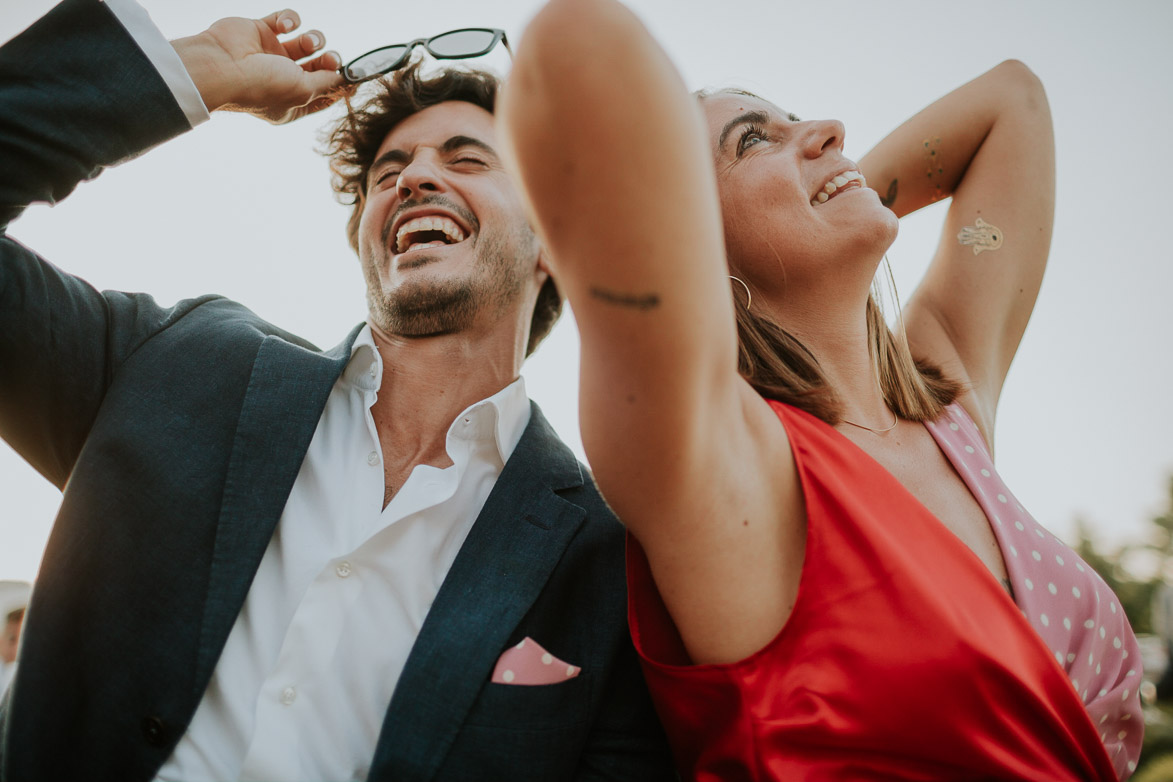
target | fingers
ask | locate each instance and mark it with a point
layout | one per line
(281, 22)
(327, 61)
(304, 45)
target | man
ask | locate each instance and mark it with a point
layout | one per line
(14, 597)
(273, 562)
(9, 644)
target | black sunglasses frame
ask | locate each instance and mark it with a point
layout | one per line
(409, 47)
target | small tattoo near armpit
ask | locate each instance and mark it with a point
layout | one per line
(981, 236)
(639, 301)
(889, 199)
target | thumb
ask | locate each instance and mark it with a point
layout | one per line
(321, 75)
(319, 83)
(325, 87)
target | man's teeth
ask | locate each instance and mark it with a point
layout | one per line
(829, 189)
(452, 232)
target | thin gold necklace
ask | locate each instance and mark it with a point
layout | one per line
(895, 420)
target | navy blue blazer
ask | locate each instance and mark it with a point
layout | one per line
(176, 434)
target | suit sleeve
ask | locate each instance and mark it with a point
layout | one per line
(77, 94)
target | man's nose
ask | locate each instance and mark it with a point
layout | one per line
(417, 178)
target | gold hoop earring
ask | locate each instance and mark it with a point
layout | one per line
(748, 295)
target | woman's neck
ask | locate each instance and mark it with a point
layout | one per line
(838, 338)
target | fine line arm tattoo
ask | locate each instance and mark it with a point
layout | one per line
(934, 167)
(639, 301)
(888, 200)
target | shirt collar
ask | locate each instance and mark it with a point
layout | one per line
(502, 416)
(365, 368)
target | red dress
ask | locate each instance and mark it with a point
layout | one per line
(902, 658)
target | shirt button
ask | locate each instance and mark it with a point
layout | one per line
(288, 695)
(372, 458)
(374, 373)
(343, 569)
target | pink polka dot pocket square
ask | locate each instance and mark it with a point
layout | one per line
(528, 663)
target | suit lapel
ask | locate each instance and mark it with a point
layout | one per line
(286, 394)
(501, 569)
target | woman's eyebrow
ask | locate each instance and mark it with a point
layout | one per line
(748, 118)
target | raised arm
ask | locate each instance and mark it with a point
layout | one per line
(66, 113)
(988, 145)
(613, 158)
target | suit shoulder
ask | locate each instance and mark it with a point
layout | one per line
(589, 497)
(210, 316)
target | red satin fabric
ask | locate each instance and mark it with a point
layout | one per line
(902, 659)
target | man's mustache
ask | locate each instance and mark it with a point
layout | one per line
(431, 200)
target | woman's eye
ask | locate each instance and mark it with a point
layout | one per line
(749, 138)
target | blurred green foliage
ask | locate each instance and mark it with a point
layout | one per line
(1135, 591)
(1159, 770)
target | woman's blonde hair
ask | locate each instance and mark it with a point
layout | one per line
(780, 367)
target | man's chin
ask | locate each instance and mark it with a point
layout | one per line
(424, 310)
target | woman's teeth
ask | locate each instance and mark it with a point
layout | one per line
(845, 181)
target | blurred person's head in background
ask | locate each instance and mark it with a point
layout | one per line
(10, 638)
(14, 598)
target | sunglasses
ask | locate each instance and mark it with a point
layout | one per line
(452, 45)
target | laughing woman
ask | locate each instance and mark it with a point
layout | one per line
(828, 578)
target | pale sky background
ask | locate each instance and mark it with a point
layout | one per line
(1085, 428)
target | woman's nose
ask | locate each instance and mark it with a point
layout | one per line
(823, 136)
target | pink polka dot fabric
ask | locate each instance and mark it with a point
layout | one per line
(1068, 604)
(529, 664)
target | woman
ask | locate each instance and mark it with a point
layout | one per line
(830, 579)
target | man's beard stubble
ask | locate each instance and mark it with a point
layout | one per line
(424, 310)
(449, 306)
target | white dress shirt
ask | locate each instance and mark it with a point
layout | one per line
(344, 586)
(308, 670)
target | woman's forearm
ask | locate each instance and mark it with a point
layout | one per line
(611, 154)
(926, 158)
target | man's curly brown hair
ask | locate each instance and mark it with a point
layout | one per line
(354, 140)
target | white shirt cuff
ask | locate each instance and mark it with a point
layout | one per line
(159, 51)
